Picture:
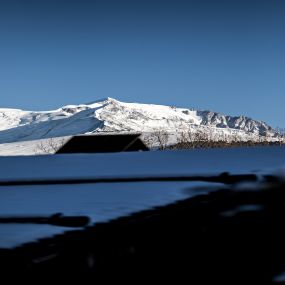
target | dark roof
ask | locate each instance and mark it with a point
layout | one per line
(104, 143)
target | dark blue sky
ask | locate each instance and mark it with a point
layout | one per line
(222, 55)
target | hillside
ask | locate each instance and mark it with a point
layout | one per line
(110, 115)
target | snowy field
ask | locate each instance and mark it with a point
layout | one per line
(33, 147)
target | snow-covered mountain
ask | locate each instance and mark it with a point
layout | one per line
(111, 115)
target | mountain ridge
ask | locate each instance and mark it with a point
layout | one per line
(111, 115)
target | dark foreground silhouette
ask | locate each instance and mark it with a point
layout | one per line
(227, 236)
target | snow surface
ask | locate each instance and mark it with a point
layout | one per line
(100, 202)
(141, 164)
(31, 147)
(106, 201)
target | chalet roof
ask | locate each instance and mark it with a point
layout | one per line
(102, 143)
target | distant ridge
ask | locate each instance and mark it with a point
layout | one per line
(111, 115)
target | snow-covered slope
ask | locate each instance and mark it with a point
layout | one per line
(111, 115)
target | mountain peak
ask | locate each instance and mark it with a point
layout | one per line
(110, 115)
(102, 100)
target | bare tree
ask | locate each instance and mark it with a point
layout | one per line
(185, 138)
(190, 139)
(49, 146)
(150, 140)
(161, 138)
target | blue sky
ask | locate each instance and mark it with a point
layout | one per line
(222, 55)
